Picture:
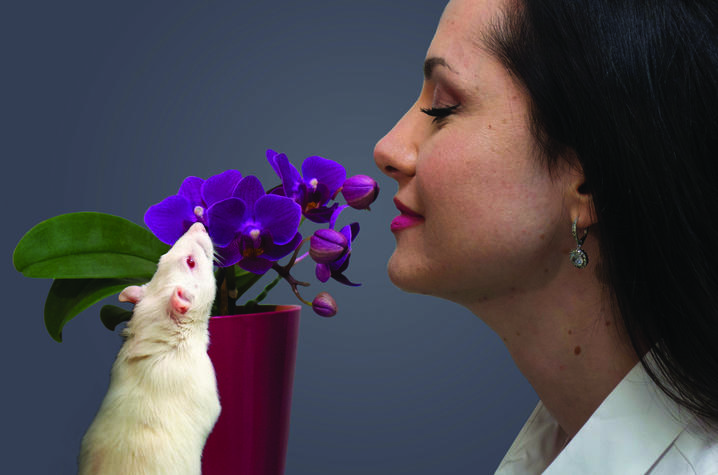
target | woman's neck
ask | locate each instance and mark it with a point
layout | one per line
(566, 341)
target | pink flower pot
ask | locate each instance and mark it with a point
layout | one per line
(253, 357)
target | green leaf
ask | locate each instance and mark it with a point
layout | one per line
(112, 316)
(88, 245)
(68, 297)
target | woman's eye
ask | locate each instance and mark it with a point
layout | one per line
(439, 113)
(190, 262)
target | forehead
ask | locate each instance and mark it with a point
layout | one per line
(462, 27)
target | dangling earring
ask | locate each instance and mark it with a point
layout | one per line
(578, 256)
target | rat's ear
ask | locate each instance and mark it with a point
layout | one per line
(181, 301)
(133, 293)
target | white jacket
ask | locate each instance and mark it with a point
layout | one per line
(631, 432)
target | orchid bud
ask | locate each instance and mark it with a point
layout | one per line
(360, 191)
(327, 245)
(324, 305)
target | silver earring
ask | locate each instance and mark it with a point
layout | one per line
(578, 256)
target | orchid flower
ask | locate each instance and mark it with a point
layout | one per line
(253, 229)
(332, 247)
(173, 216)
(320, 181)
(360, 191)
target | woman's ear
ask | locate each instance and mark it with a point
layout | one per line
(578, 199)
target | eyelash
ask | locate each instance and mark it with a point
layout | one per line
(439, 113)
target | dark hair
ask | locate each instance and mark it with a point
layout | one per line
(629, 88)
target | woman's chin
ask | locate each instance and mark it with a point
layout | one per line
(407, 276)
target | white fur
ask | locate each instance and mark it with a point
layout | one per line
(162, 401)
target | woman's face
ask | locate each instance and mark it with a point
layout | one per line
(494, 222)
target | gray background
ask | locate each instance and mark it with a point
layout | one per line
(107, 108)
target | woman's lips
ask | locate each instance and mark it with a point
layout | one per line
(403, 221)
(406, 219)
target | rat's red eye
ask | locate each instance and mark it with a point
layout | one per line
(190, 262)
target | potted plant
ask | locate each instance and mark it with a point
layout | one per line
(93, 255)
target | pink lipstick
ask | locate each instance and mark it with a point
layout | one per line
(406, 219)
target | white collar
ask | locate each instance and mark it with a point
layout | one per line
(627, 434)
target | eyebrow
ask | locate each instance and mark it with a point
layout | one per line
(431, 63)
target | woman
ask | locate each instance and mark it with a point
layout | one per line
(556, 177)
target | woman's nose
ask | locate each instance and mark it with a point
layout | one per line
(395, 154)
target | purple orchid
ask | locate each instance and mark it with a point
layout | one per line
(335, 269)
(324, 305)
(246, 225)
(360, 191)
(253, 229)
(320, 181)
(173, 216)
(327, 245)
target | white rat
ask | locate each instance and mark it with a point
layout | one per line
(162, 401)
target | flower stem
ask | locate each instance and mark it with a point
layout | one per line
(261, 296)
(231, 281)
(223, 299)
(296, 292)
(284, 273)
(301, 258)
(294, 257)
